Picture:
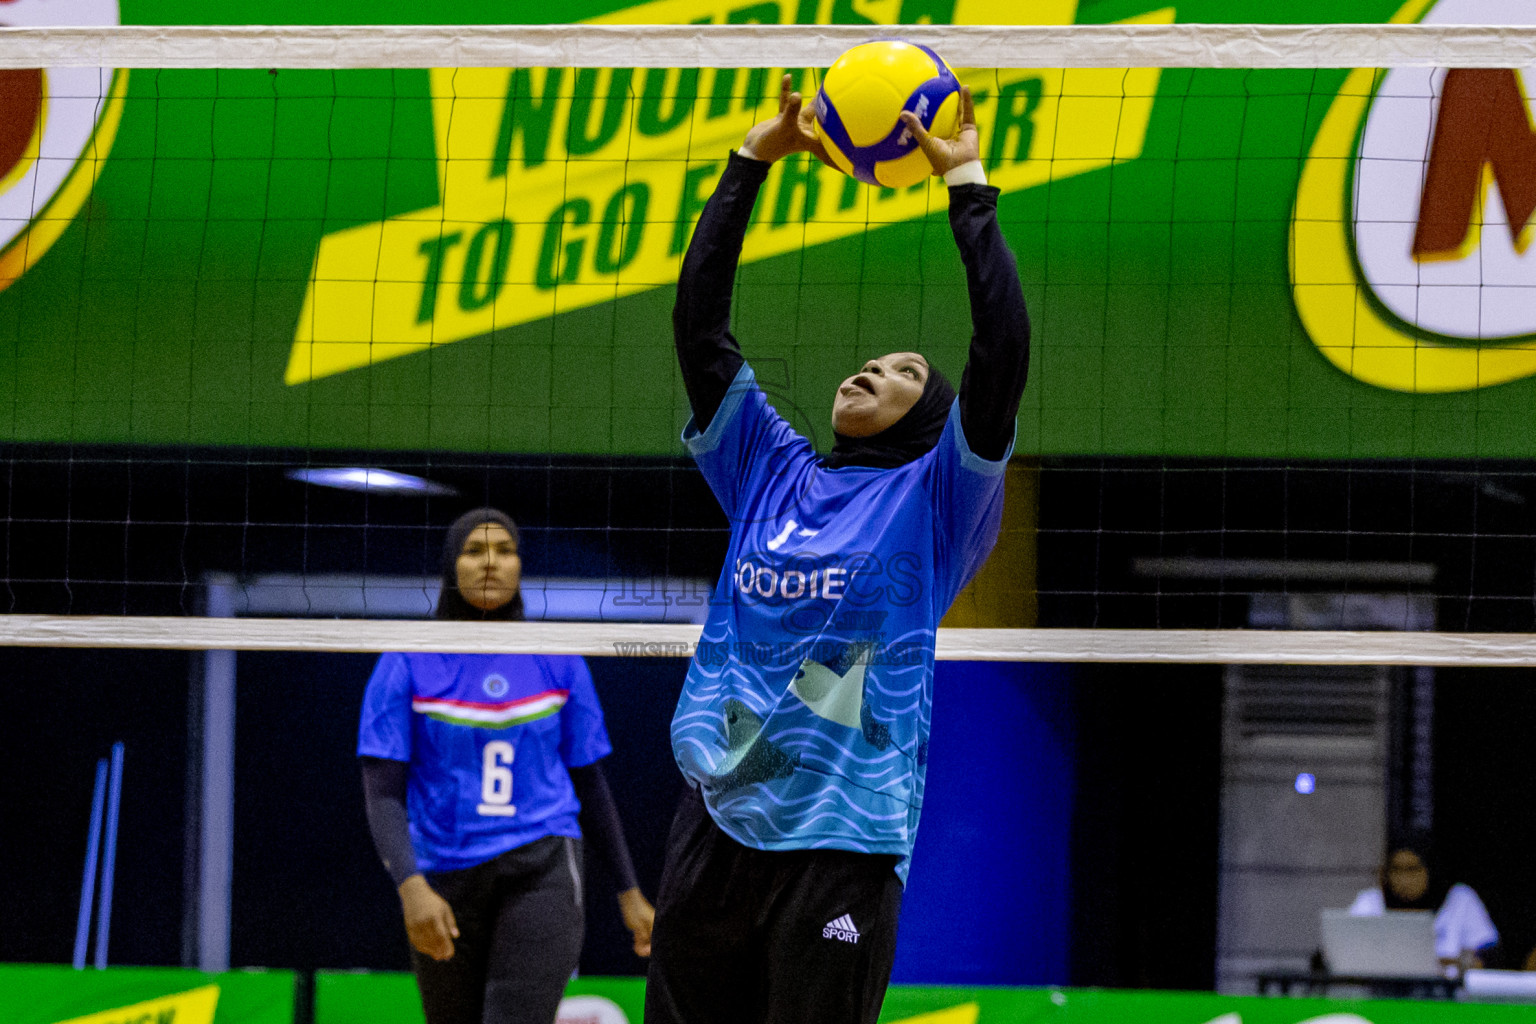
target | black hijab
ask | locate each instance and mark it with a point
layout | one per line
(450, 603)
(910, 437)
(1434, 893)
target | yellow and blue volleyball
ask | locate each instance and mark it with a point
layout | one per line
(858, 110)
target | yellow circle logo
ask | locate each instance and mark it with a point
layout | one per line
(1408, 248)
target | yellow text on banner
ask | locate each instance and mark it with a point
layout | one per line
(563, 188)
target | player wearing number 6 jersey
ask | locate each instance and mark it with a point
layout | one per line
(481, 776)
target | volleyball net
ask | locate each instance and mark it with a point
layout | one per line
(278, 304)
(1280, 374)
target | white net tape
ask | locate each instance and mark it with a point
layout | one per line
(1052, 46)
(1166, 646)
(791, 46)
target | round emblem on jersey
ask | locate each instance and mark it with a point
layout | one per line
(495, 686)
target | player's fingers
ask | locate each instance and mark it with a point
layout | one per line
(643, 939)
(442, 940)
(785, 93)
(967, 109)
(429, 942)
(810, 140)
(925, 142)
(450, 922)
(790, 107)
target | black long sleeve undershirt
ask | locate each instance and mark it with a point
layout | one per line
(384, 789)
(997, 365)
(998, 362)
(701, 318)
(600, 824)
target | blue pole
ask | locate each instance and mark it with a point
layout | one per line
(109, 858)
(88, 884)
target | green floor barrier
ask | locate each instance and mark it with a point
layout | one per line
(57, 995)
(392, 999)
(354, 998)
(48, 994)
(923, 1005)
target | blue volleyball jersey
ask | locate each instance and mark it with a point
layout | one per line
(804, 717)
(488, 739)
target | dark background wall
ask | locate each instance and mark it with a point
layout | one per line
(1014, 835)
(63, 710)
(1070, 832)
(1145, 825)
(1485, 787)
(1072, 810)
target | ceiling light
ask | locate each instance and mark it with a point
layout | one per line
(372, 481)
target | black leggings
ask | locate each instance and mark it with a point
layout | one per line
(746, 936)
(520, 919)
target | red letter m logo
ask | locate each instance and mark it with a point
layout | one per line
(1483, 136)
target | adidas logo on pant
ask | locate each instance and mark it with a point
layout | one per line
(842, 929)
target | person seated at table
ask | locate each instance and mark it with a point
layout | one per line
(1463, 930)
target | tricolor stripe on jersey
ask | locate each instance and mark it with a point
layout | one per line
(491, 714)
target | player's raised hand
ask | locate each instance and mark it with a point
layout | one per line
(428, 919)
(791, 130)
(960, 148)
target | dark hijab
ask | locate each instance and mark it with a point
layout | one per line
(450, 603)
(1433, 895)
(910, 437)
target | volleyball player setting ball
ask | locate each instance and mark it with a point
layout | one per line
(473, 766)
(802, 728)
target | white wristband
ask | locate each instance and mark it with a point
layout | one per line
(969, 173)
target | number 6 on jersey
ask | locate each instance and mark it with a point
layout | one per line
(496, 780)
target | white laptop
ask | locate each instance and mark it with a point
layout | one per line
(1396, 944)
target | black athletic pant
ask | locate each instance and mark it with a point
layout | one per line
(520, 920)
(746, 936)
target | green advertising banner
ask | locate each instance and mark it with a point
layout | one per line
(391, 999)
(38, 994)
(358, 998)
(1308, 263)
(48, 994)
(923, 1005)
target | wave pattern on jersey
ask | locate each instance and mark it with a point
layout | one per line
(811, 754)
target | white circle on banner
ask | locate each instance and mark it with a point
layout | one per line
(41, 145)
(495, 686)
(1486, 290)
(589, 1010)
